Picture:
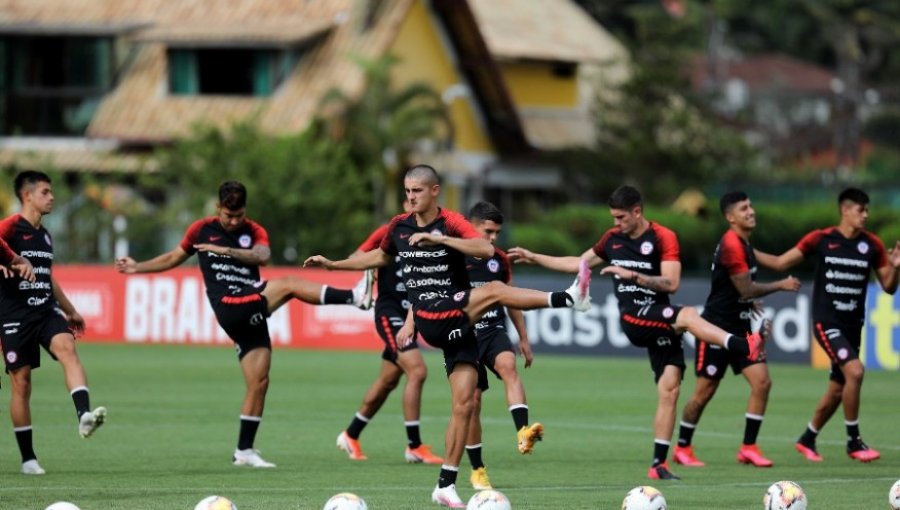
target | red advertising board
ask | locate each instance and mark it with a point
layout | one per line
(171, 307)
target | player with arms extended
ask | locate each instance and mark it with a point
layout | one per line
(231, 248)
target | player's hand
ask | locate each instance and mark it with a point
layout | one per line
(756, 309)
(23, 268)
(621, 272)
(790, 284)
(520, 255)
(525, 348)
(894, 255)
(212, 248)
(406, 334)
(6, 272)
(318, 261)
(76, 322)
(126, 265)
(425, 239)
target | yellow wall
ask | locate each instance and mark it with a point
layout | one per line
(423, 58)
(534, 84)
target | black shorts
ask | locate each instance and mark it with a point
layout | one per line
(445, 325)
(21, 340)
(491, 342)
(651, 327)
(243, 316)
(388, 321)
(841, 344)
(711, 361)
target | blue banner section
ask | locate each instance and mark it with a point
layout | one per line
(881, 334)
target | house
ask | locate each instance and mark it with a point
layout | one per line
(95, 85)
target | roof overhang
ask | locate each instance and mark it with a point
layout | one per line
(70, 29)
(248, 35)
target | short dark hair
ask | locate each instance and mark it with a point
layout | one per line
(232, 195)
(485, 211)
(424, 173)
(855, 195)
(29, 178)
(625, 197)
(729, 199)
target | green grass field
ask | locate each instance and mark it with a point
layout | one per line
(173, 413)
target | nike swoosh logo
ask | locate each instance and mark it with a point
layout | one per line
(215, 238)
(616, 246)
(832, 246)
(27, 236)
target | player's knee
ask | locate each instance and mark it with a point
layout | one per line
(854, 372)
(669, 394)
(417, 374)
(688, 315)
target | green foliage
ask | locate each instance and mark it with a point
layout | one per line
(301, 188)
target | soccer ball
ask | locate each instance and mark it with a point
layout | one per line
(62, 505)
(215, 503)
(894, 496)
(784, 495)
(644, 498)
(489, 500)
(345, 501)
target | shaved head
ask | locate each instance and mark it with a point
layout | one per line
(423, 173)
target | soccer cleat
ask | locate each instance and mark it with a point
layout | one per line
(447, 496)
(362, 291)
(422, 454)
(91, 421)
(31, 467)
(351, 446)
(528, 435)
(857, 450)
(250, 457)
(750, 454)
(581, 287)
(480, 480)
(661, 472)
(808, 451)
(684, 455)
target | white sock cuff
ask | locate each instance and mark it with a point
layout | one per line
(518, 406)
(752, 416)
(22, 429)
(362, 418)
(322, 295)
(85, 388)
(450, 468)
(688, 425)
(854, 422)
(411, 423)
(662, 441)
(251, 418)
(549, 300)
(811, 428)
(473, 446)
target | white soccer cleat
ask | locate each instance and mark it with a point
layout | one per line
(250, 457)
(31, 467)
(581, 288)
(91, 421)
(447, 496)
(362, 291)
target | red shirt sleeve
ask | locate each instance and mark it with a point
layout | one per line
(600, 246)
(374, 239)
(668, 243)
(505, 266)
(258, 233)
(192, 236)
(8, 228)
(6, 253)
(387, 242)
(459, 226)
(732, 256)
(808, 244)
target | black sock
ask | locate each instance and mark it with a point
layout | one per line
(357, 425)
(337, 296)
(852, 430)
(447, 476)
(474, 453)
(809, 437)
(686, 433)
(23, 437)
(560, 300)
(519, 416)
(751, 427)
(660, 452)
(247, 435)
(737, 345)
(413, 438)
(82, 401)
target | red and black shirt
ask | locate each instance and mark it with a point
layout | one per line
(483, 271)
(391, 289)
(224, 275)
(21, 299)
(724, 306)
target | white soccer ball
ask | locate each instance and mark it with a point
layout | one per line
(894, 496)
(215, 503)
(489, 500)
(644, 497)
(345, 501)
(62, 505)
(784, 495)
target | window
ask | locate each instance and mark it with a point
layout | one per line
(228, 72)
(51, 86)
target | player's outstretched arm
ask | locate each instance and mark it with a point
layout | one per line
(472, 246)
(749, 289)
(568, 264)
(359, 262)
(164, 262)
(668, 280)
(257, 255)
(889, 275)
(781, 262)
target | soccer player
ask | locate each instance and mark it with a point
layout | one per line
(400, 356)
(844, 256)
(495, 352)
(432, 244)
(36, 312)
(643, 259)
(231, 248)
(730, 306)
